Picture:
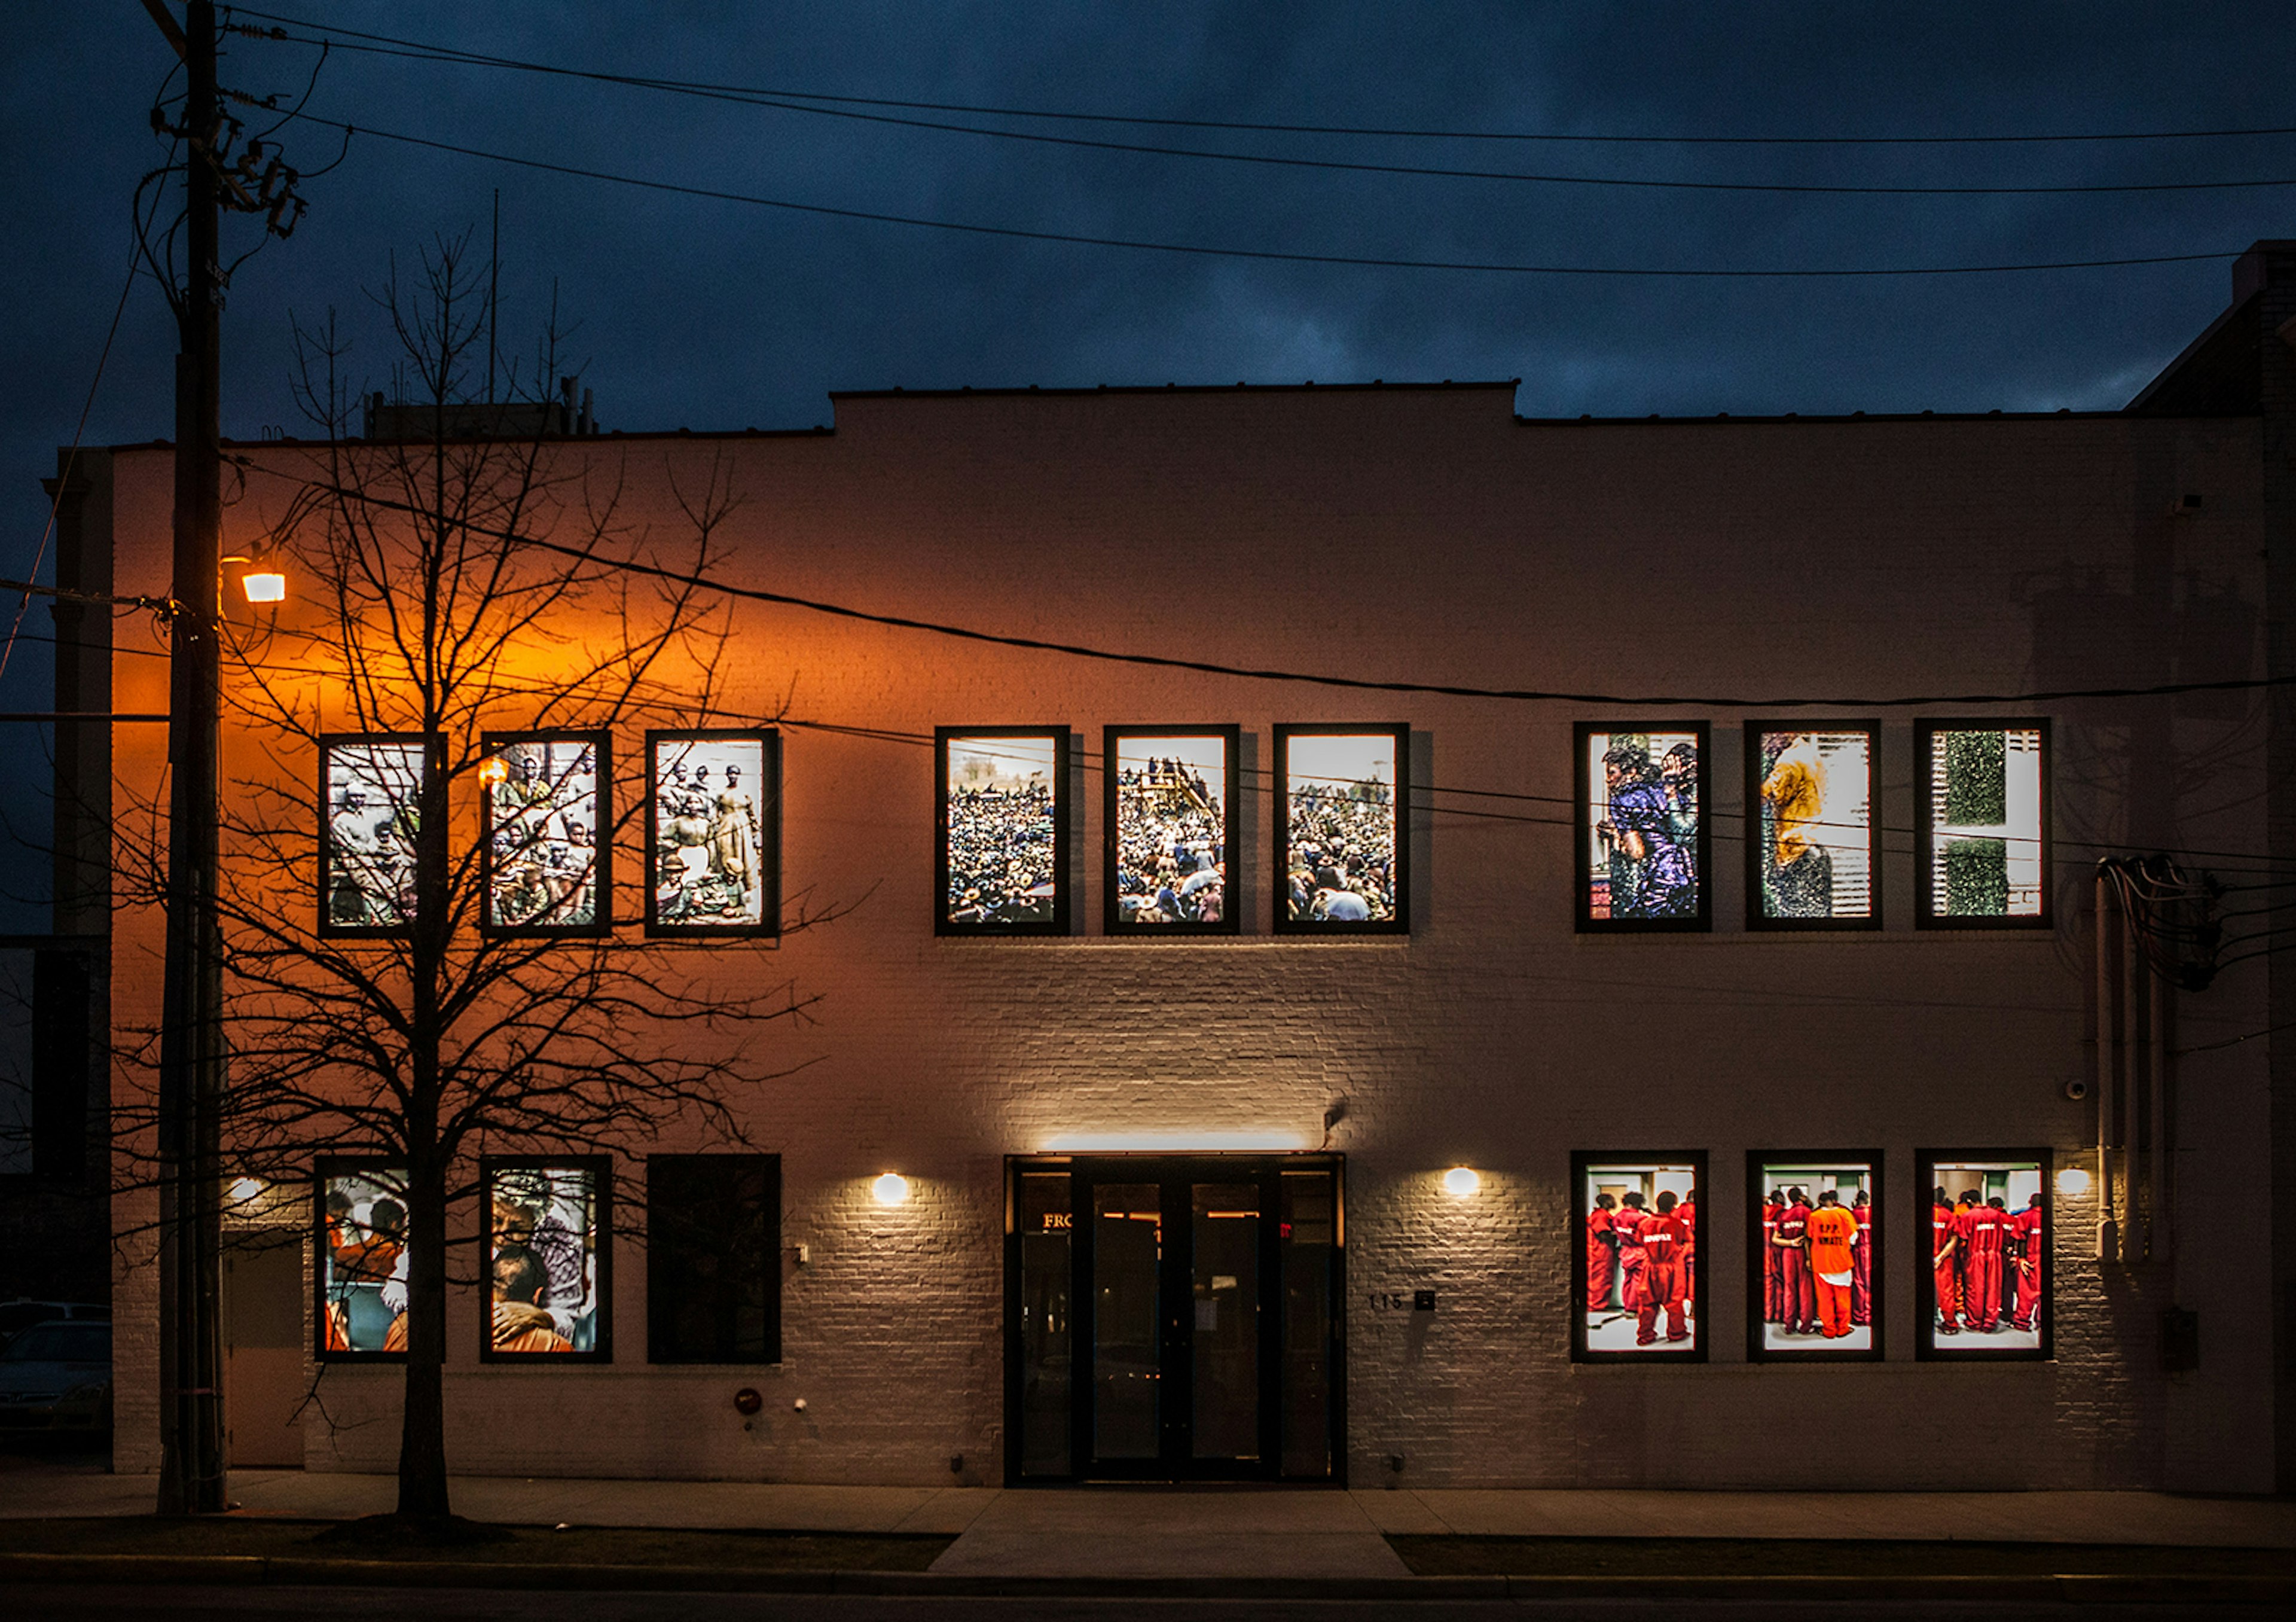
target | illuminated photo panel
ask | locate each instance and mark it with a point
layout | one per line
(374, 790)
(1634, 1281)
(713, 833)
(1983, 1286)
(1811, 847)
(1171, 829)
(361, 1249)
(1342, 866)
(1814, 1267)
(1641, 827)
(1983, 793)
(1003, 860)
(549, 838)
(546, 1273)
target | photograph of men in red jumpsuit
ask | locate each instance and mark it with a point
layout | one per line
(1638, 1288)
(1811, 1232)
(1985, 1284)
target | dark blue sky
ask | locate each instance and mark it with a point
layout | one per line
(713, 314)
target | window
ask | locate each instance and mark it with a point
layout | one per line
(1984, 1289)
(1983, 845)
(1634, 1277)
(1814, 1258)
(548, 831)
(359, 1241)
(713, 833)
(714, 1258)
(1641, 827)
(1341, 859)
(1813, 860)
(1171, 830)
(1003, 857)
(372, 787)
(547, 1273)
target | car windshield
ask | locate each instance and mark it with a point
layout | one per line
(60, 1343)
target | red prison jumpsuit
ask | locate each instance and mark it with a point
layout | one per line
(1771, 1311)
(1943, 1232)
(1602, 1261)
(1664, 1242)
(1627, 1225)
(1833, 1231)
(1797, 1297)
(1686, 1213)
(1861, 1266)
(1980, 1270)
(2026, 1239)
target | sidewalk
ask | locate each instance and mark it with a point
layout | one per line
(1199, 1532)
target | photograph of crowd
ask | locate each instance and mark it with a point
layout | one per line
(544, 818)
(544, 1275)
(1813, 846)
(1640, 814)
(711, 869)
(1640, 1220)
(362, 1249)
(1988, 1272)
(1168, 824)
(1814, 1229)
(1342, 826)
(374, 808)
(1002, 816)
(1986, 837)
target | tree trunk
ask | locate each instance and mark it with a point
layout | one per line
(422, 1439)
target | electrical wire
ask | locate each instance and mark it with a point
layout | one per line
(766, 99)
(1277, 256)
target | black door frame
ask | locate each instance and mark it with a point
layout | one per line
(1173, 1173)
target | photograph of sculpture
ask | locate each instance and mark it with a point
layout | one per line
(1814, 1229)
(712, 833)
(1340, 807)
(548, 837)
(374, 788)
(545, 1274)
(1171, 824)
(1983, 794)
(1641, 827)
(1810, 834)
(1004, 820)
(362, 1261)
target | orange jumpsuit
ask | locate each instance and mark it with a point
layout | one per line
(1797, 1298)
(1602, 1260)
(1833, 1230)
(1861, 1261)
(1981, 1268)
(1773, 1312)
(1663, 1241)
(1942, 1233)
(2026, 1239)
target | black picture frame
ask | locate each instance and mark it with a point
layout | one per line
(1398, 919)
(325, 1171)
(1759, 1164)
(601, 1171)
(1113, 742)
(1584, 1163)
(1965, 1348)
(601, 923)
(1926, 731)
(331, 743)
(768, 806)
(944, 922)
(1582, 825)
(1757, 843)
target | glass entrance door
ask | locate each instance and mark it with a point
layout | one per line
(1175, 1318)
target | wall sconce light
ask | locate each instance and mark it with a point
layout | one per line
(247, 1190)
(890, 1189)
(1460, 1180)
(2072, 1182)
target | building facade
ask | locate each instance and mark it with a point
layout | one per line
(1691, 829)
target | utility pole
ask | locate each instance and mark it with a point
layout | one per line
(191, 1036)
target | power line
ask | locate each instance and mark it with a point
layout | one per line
(480, 59)
(769, 100)
(1366, 261)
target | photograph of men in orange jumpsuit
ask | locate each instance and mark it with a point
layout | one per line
(544, 1242)
(1809, 1219)
(1639, 1288)
(362, 1237)
(1985, 1284)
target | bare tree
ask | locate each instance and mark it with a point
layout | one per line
(479, 575)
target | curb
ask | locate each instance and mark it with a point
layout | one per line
(155, 1569)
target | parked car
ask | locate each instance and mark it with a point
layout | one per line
(57, 1376)
(23, 1314)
